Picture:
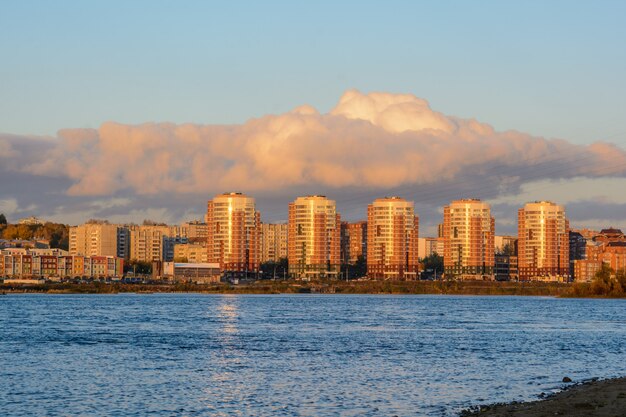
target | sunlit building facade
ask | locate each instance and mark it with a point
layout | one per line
(543, 242)
(392, 239)
(273, 242)
(95, 239)
(353, 242)
(468, 232)
(314, 241)
(234, 233)
(607, 247)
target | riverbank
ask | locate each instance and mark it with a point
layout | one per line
(606, 398)
(322, 287)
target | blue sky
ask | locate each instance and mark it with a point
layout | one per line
(552, 69)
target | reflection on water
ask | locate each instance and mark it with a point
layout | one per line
(295, 355)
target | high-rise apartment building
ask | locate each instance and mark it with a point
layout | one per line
(392, 239)
(314, 237)
(543, 242)
(353, 242)
(234, 233)
(97, 239)
(468, 232)
(273, 242)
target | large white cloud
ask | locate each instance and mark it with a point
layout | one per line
(376, 140)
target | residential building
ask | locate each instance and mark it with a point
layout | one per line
(97, 239)
(234, 234)
(194, 231)
(505, 267)
(314, 241)
(543, 242)
(274, 242)
(191, 252)
(608, 247)
(155, 242)
(57, 264)
(31, 221)
(468, 230)
(430, 245)
(577, 249)
(392, 239)
(505, 244)
(353, 242)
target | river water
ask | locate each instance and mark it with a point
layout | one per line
(296, 355)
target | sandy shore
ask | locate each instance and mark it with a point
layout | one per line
(606, 398)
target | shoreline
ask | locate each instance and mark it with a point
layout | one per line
(482, 288)
(590, 398)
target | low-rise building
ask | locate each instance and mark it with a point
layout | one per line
(199, 273)
(606, 247)
(50, 264)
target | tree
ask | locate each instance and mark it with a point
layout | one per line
(508, 249)
(434, 262)
(3, 219)
(273, 269)
(138, 267)
(607, 282)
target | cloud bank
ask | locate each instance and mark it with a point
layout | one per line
(375, 141)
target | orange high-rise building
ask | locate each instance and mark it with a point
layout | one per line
(543, 242)
(392, 239)
(314, 239)
(353, 241)
(233, 233)
(468, 233)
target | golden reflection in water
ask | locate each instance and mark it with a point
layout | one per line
(224, 381)
(229, 314)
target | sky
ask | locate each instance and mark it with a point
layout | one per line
(145, 109)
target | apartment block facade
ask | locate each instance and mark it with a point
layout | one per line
(274, 239)
(353, 242)
(468, 232)
(430, 245)
(392, 239)
(543, 242)
(190, 252)
(27, 264)
(151, 243)
(97, 239)
(314, 240)
(606, 247)
(234, 234)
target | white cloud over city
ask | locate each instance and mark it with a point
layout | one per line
(367, 145)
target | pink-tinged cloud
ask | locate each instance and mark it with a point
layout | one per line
(376, 140)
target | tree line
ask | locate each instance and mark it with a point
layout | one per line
(56, 233)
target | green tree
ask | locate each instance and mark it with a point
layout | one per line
(508, 249)
(138, 267)
(607, 282)
(434, 262)
(3, 220)
(273, 269)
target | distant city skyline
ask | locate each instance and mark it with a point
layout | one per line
(428, 101)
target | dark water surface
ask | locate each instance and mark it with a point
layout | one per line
(296, 355)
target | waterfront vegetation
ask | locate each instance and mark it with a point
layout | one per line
(605, 284)
(55, 233)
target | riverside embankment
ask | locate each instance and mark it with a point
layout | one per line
(324, 287)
